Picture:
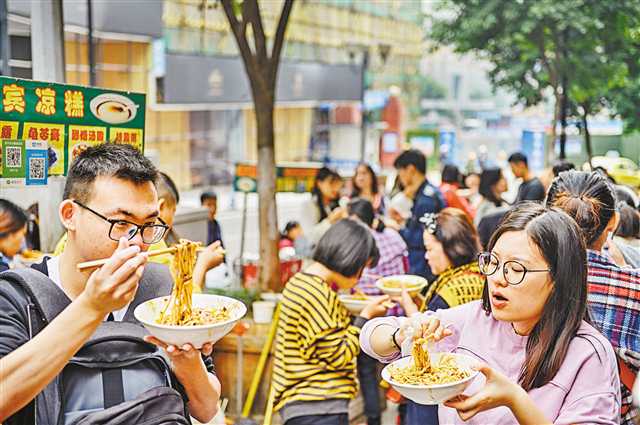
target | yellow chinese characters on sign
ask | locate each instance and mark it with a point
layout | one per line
(9, 129)
(46, 101)
(82, 137)
(13, 98)
(74, 103)
(52, 133)
(127, 136)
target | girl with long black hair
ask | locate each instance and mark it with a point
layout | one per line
(323, 209)
(541, 362)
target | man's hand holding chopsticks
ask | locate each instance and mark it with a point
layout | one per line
(114, 285)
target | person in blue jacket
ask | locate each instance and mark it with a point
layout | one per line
(412, 169)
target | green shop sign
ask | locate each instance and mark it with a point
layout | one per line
(69, 118)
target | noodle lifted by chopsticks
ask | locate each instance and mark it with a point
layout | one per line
(179, 309)
(422, 372)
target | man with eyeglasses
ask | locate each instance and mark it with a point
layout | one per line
(110, 210)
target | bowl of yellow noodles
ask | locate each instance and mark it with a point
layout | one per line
(354, 303)
(449, 375)
(392, 285)
(206, 320)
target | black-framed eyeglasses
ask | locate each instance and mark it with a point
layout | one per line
(151, 233)
(513, 271)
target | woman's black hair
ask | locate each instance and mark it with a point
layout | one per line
(451, 174)
(561, 244)
(624, 194)
(363, 209)
(629, 226)
(488, 179)
(458, 236)
(289, 227)
(12, 218)
(347, 248)
(588, 197)
(562, 165)
(323, 174)
(374, 181)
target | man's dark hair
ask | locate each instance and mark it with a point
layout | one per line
(518, 157)
(107, 160)
(346, 248)
(411, 157)
(167, 188)
(208, 195)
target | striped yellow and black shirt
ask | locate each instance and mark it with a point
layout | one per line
(316, 344)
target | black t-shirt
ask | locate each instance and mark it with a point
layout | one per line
(531, 190)
(14, 331)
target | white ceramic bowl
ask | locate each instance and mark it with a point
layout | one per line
(355, 306)
(433, 394)
(414, 284)
(197, 336)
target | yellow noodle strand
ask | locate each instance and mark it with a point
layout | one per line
(179, 308)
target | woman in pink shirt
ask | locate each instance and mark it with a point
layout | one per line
(540, 361)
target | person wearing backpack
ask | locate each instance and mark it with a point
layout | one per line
(71, 351)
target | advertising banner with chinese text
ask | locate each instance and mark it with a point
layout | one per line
(69, 118)
(288, 179)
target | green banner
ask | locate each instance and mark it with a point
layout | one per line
(69, 118)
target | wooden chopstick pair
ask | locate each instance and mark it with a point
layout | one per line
(99, 263)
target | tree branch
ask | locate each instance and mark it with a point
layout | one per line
(239, 32)
(252, 14)
(278, 42)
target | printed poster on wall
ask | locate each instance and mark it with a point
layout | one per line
(69, 118)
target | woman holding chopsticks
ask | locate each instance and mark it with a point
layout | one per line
(540, 361)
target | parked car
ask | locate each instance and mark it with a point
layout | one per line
(622, 170)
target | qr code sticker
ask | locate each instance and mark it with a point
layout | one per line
(36, 168)
(14, 157)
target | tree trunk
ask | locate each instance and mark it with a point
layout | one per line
(268, 218)
(587, 135)
(551, 144)
(564, 106)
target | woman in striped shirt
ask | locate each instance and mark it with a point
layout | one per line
(317, 342)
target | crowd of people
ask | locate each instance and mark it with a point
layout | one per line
(543, 292)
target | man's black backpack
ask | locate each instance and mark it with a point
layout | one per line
(116, 378)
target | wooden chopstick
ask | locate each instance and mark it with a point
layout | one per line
(99, 263)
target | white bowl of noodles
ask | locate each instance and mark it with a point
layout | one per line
(392, 285)
(228, 311)
(354, 303)
(434, 393)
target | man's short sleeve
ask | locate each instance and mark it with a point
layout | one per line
(13, 317)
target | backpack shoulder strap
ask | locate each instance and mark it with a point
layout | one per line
(48, 298)
(156, 282)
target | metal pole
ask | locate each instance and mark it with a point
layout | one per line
(242, 237)
(5, 42)
(47, 47)
(91, 47)
(363, 89)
